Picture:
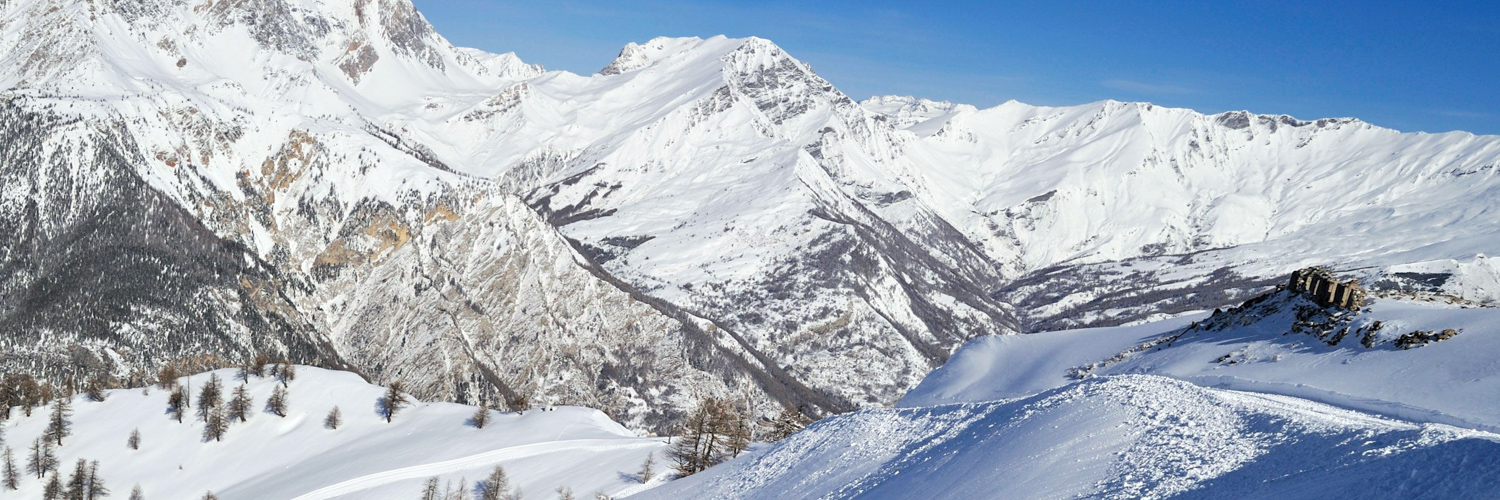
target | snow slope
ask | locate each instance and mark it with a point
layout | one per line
(1275, 398)
(297, 457)
(1130, 436)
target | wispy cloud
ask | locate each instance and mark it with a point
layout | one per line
(1147, 88)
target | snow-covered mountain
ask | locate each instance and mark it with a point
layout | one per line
(332, 181)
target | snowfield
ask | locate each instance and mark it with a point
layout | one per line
(1242, 403)
(296, 457)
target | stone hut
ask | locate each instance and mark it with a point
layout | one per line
(1320, 285)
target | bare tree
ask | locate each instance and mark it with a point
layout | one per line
(210, 396)
(496, 486)
(393, 401)
(789, 422)
(134, 441)
(54, 489)
(648, 469)
(96, 487)
(481, 416)
(334, 419)
(287, 372)
(239, 405)
(60, 423)
(10, 478)
(564, 493)
(177, 403)
(430, 490)
(277, 402)
(210, 496)
(258, 364)
(94, 389)
(520, 404)
(78, 483)
(215, 425)
(167, 377)
(714, 432)
(42, 458)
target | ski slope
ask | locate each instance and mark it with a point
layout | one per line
(1242, 403)
(296, 457)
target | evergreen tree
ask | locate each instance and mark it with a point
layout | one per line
(277, 402)
(210, 396)
(481, 416)
(430, 490)
(648, 468)
(334, 419)
(96, 486)
(210, 496)
(60, 423)
(215, 424)
(42, 458)
(495, 486)
(28, 393)
(136, 494)
(239, 404)
(10, 478)
(134, 441)
(393, 401)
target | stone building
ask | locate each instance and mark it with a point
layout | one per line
(1323, 287)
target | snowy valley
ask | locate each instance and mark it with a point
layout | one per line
(1080, 301)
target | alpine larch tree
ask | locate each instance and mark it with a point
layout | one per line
(393, 401)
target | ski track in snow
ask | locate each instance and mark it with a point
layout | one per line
(470, 462)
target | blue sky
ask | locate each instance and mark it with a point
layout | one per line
(1412, 66)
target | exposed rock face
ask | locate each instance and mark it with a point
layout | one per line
(102, 273)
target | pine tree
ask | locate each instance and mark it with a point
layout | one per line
(393, 401)
(136, 494)
(96, 486)
(134, 441)
(10, 478)
(60, 424)
(430, 490)
(277, 402)
(214, 423)
(648, 468)
(177, 403)
(210, 396)
(239, 405)
(210, 496)
(334, 419)
(739, 434)
(495, 486)
(481, 416)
